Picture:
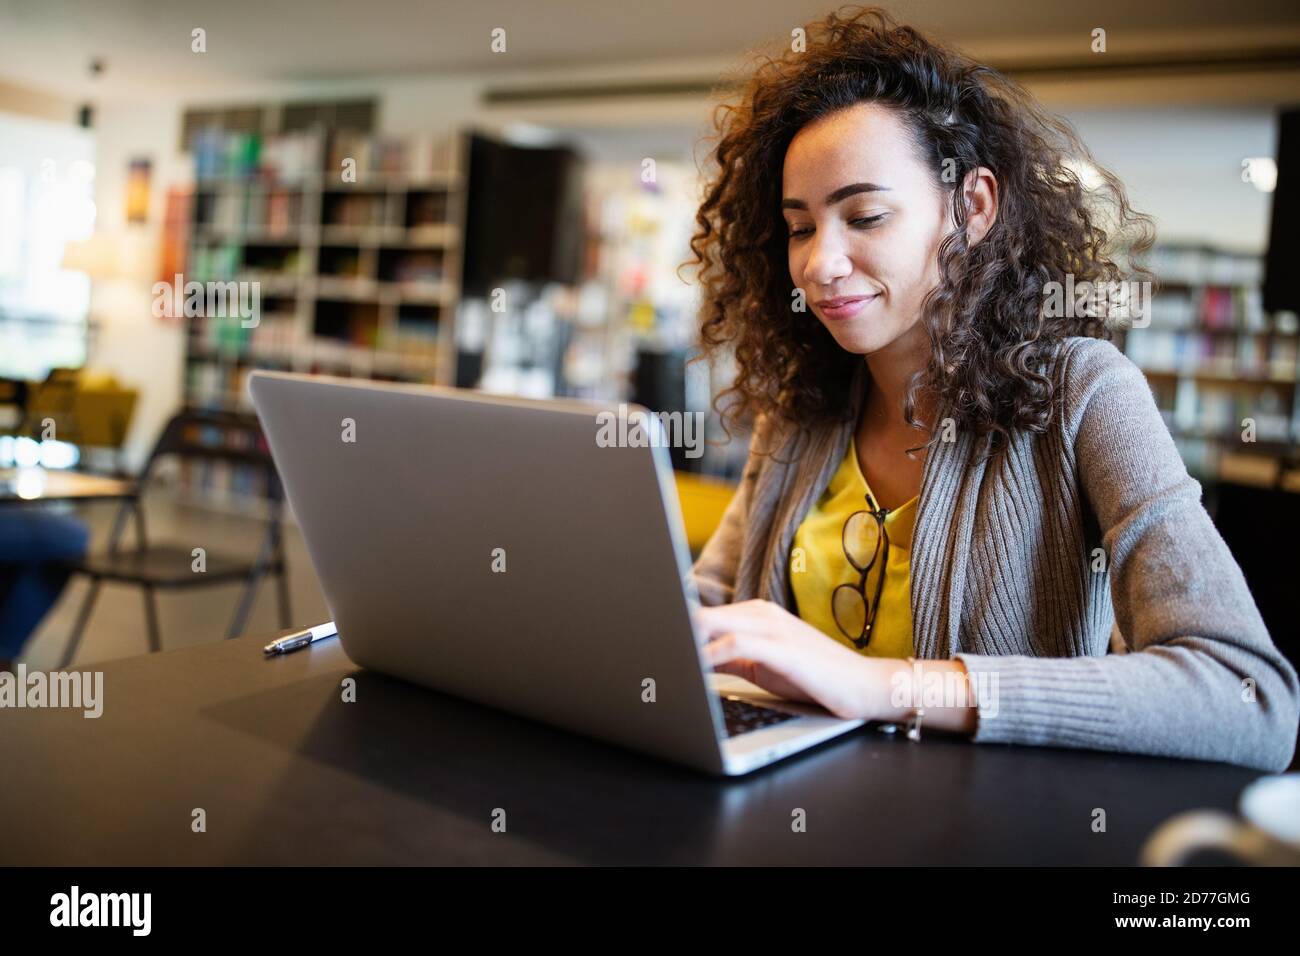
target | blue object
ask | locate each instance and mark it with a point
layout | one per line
(32, 545)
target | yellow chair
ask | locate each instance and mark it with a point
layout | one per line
(103, 410)
(703, 500)
(87, 408)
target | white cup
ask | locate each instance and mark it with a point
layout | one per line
(1269, 835)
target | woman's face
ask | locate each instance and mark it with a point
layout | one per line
(865, 219)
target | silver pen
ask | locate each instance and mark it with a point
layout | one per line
(291, 642)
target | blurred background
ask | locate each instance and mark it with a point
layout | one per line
(380, 169)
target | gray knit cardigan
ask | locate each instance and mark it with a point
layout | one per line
(1005, 574)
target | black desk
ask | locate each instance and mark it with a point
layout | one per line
(289, 773)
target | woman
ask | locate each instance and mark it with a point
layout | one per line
(946, 465)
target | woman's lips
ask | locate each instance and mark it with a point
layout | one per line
(848, 307)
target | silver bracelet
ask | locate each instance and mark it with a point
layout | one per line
(912, 722)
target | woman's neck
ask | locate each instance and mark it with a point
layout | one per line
(890, 370)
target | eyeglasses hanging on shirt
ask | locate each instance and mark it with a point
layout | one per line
(865, 541)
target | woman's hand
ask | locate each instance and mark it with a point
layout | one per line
(766, 645)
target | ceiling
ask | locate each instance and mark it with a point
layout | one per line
(145, 44)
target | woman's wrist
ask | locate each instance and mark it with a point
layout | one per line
(897, 688)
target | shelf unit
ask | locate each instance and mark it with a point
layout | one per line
(1214, 357)
(357, 278)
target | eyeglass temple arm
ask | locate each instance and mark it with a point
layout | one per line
(880, 578)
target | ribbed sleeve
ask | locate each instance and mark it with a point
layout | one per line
(1203, 678)
(1063, 702)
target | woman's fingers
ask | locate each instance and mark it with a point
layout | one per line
(743, 645)
(764, 644)
(720, 648)
(718, 619)
(765, 677)
(738, 668)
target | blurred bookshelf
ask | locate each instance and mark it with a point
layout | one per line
(1213, 357)
(355, 241)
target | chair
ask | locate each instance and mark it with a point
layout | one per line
(703, 502)
(88, 409)
(213, 438)
(52, 401)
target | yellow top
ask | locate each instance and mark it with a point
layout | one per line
(818, 549)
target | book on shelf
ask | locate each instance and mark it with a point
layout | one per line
(353, 282)
(228, 155)
(1176, 264)
(1223, 372)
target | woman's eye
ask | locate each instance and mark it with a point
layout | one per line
(862, 222)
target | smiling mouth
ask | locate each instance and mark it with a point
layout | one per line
(845, 307)
(844, 300)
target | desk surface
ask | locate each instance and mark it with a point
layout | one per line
(41, 484)
(289, 773)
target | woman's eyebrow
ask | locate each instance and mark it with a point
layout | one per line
(844, 192)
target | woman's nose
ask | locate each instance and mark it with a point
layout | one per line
(828, 261)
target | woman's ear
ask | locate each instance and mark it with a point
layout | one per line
(980, 192)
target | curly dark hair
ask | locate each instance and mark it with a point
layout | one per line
(991, 339)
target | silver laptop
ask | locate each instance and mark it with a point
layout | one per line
(491, 548)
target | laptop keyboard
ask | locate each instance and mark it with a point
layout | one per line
(740, 716)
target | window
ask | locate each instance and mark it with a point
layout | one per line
(47, 178)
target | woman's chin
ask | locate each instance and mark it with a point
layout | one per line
(858, 338)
